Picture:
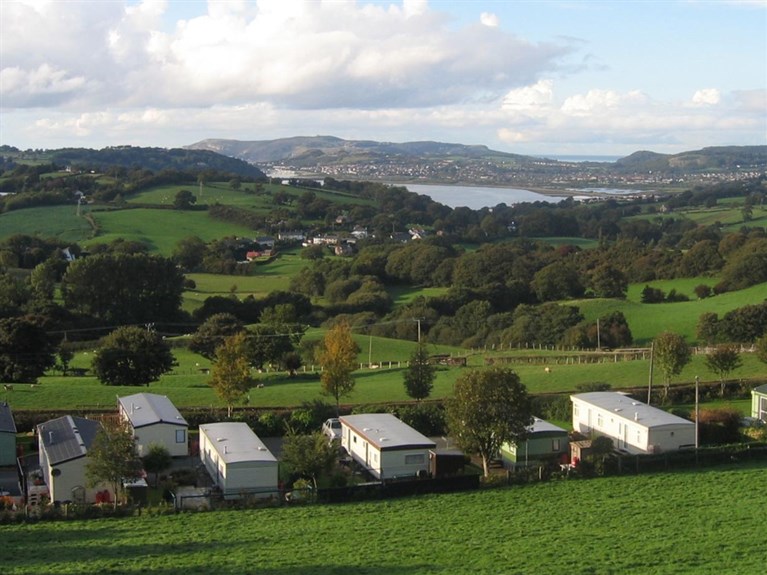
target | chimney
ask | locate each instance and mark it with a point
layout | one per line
(226, 449)
(50, 437)
(636, 416)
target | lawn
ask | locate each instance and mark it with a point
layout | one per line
(704, 522)
(60, 222)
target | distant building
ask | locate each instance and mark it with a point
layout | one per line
(155, 420)
(633, 426)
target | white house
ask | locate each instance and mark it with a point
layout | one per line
(64, 444)
(387, 447)
(154, 419)
(633, 426)
(237, 460)
(759, 403)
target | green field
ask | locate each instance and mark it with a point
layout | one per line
(703, 522)
(59, 222)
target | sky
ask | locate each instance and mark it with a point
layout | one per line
(545, 77)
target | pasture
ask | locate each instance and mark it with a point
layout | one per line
(60, 222)
(701, 522)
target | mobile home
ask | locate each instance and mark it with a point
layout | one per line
(155, 420)
(544, 442)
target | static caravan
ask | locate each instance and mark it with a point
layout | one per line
(385, 446)
(237, 460)
(633, 426)
(545, 442)
(155, 420)
(759, 403)
(64, 444)
(7, 436)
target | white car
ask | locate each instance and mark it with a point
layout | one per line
(332, 428)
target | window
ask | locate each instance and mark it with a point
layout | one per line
(414, 459)
(555, 445)
(575, 410)
(181, 436)
(600, 420)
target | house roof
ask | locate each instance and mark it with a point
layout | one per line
(541, 426)
(386, 432)
(630, 409)
(235, 442)
(144, 409)
(67, 438)
(6, 419)
(760, 389)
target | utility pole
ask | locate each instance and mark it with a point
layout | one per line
(599, 343)
(697, 413)
(649, 387)
(418, 320)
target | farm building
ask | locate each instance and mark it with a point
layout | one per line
(545, 442)
(7, 436)
(759, 403)
(385, 446)
(237, 460)
(633, 426)
(155, 420)
(64, 444)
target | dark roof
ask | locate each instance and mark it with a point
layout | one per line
(6, 419)
(67, 438)
(760, 389)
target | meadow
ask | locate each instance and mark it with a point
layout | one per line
(60, 222)
(701, 522)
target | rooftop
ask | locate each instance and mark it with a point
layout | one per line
(6, 419)
(628, 408)
(144, 409)
(542, 426)
(235, 442)
(385, 431)
(67, 438)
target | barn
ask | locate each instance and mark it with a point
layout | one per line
(155, 420)
(387, 447)
(7, 436)
(545, 442)
(238, 461)
(634, 427)
(64, 444)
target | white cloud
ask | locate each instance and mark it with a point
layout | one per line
(531, 99)
(489, 19)
(706, 97)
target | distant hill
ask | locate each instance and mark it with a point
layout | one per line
(303, 151)
(155, 159)
(714, 158)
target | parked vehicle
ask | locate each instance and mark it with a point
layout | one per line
(332, 428)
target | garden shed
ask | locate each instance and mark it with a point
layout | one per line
(387, 447)
(155, 420)
(64, 444)
(759, 403)
(634, 427)
(238, 461)
(545, 442)
(7, 436)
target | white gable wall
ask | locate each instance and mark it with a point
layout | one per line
(172, 437)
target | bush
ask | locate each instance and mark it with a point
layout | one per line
(719, 426)
(428, 418)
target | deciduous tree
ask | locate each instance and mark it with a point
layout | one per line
(723, 360)
(26, 351)
(211, 334)
(308, 456)
(672, 353)
(112, 457)
(157, 460)
(488, 408)
(230, 377)
(338, 357)
(132, 356)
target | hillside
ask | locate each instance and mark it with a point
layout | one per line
(458, 163)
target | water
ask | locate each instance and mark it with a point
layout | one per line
(477, 197)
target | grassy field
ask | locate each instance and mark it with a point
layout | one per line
(704, 522)
(187, 385)
(648, 320)
(59, 222)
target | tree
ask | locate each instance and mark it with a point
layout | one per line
(132, 355)
(723, 360)
(488, 408)
(231, 371)
(189, 252)
(211, 334)
(112, 457)
(419, 375)
(338, 357)
(269, 344)
(609, 281)
(157, 460)
(308, 456)
(761, 348)
(124, 288)
(183, 200)
(672, 353)
(65, 355)
(556, 281)
(26, 351)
